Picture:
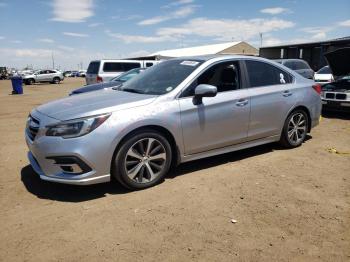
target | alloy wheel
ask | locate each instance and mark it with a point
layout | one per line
(297, 128)
(145, 160)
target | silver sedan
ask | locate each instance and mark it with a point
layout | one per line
(177, 111)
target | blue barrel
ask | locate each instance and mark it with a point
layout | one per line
(17, 85)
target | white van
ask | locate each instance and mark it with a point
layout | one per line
(104, 70)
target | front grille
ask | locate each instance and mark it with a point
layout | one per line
(330, 95)
(340, 96)
(32, 127)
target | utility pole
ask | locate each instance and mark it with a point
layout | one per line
(53, 60)
(261, 39)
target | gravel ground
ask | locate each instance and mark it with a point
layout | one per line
(290, 205)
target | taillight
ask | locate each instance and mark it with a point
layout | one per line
(317, 88)
(99, 79)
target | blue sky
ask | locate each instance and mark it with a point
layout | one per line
(77, 31)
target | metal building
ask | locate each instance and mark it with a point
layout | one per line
(312, 52)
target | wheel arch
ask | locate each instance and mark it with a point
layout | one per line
(164, 131)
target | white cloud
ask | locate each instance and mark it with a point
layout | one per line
(72, 11)
(46, 40)
(2, 37)
(95, 24)
(75, 34)
(16, 41)
(177, 3)
(219, 29)
(179, 13)
(275, 10)
(316, 33)
(345, 23)
(24, 53)
(226, 29)
(66, 48)
(139, 38)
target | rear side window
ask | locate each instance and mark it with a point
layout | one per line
(93, 68)
(301, 65)
(263, 74)
(119, 67)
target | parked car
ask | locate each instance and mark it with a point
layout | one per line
(3, 73)
(324, 75)
(67, 73)
(336, 95)
(177, 111)
(74, 74)
(117, 81)
(104, 70)
(52, 76)
(298, 65)
(82, 73)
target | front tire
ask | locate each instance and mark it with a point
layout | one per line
(56, 80)
(142, 160)
(30, 81)
(295, 129)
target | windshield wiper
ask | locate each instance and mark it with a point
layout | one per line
(131, 90)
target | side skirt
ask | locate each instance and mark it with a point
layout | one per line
(232, 148)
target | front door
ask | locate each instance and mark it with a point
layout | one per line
(221, 120)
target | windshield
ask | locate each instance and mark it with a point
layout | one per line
(127, 75)
(324, 70)
(162, 78)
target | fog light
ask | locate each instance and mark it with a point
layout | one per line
(71, 164)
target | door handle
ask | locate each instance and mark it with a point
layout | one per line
(242, 102)
(287, 93)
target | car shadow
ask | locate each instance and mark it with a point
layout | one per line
(66, 193)
(71, 193)
(336, 114)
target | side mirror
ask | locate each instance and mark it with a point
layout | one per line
(203, 90)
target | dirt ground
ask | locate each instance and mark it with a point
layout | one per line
(290, 205)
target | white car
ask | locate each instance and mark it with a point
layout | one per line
(52, 76)
(104, 70)
(324, 75)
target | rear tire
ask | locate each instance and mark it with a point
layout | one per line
(30, 81)
(295, 129)
(142, 160)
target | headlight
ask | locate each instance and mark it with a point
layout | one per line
(76, 127)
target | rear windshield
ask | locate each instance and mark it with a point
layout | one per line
(120, 66)
(324, 70)
(301, 65)
(93, 68)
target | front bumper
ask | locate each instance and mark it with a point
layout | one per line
(336, 105)
(63, 178)
(79, 161)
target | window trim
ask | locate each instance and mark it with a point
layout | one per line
(242, 84)
(127, 62)
(247, 75)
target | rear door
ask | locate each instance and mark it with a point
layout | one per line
(221, 120)
(271, 98)
(92, 72)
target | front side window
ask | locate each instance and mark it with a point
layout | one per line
(225, 76)
(263, 74)
(161, 78)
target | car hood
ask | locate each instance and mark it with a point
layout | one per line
(95, 87)
(338, 61)
(93, 103)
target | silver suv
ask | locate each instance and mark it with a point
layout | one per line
(177, 111)
(52, 76)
